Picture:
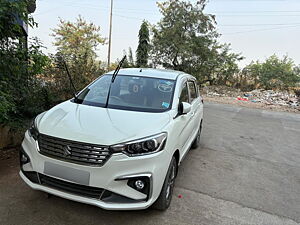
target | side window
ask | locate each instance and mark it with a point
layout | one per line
(184, 96)
(193, 91)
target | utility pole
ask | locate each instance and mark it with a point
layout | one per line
(110, 29)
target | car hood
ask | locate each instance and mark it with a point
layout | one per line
(98, 125)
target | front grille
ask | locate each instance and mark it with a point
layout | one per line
(73, 151)
(77, 189)
(82, 190)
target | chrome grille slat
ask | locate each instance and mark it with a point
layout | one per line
(74, 144)
(80, 153)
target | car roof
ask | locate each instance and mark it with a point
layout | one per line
(148, 72)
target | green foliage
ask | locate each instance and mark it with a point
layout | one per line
(7, 106)
(143, 49)
(19, 66)
(76, 43)
(130, 57)
(273, 73)
(186, 39)
(10, 11)
(225, 70)
(129, 62)
(183, 28)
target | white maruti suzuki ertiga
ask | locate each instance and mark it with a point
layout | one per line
(118, 143)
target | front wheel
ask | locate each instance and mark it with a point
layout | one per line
(196, 142)
(165, 197)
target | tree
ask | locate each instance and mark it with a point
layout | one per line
(10, 11)
(186, 39)
(128, 63)
(143, 49)
(130, 57)
(226, 67)
(274, 73)
(76, 43)
(19, 66)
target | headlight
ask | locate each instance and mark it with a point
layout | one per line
(143, 146)
(33, 131)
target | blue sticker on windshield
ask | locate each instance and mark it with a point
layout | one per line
(165, 105)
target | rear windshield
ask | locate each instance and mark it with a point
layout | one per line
(130, 93)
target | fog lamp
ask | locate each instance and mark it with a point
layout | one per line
(139, 184)
(24, 159)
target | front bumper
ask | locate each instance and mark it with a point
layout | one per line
(111, 177)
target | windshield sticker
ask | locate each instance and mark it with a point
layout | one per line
(165, 86)
(135, 88)
(165, 105)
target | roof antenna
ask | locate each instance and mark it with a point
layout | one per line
(141, 70)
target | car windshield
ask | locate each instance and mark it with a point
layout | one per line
(130, 93)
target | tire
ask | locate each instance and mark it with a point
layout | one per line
(165, 197)
(196, 142)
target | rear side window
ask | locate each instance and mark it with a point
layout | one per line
(193, 91)
(184, 96)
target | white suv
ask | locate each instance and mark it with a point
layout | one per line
(116, 145)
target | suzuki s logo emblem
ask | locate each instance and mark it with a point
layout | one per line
(67, 150)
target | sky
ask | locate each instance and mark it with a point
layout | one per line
(255, 28)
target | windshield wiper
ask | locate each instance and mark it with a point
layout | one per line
(71, 81)
(62, 63)
(114, 77)
(117, 69)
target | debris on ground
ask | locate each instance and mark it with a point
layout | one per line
(8, 154)
(259, 98)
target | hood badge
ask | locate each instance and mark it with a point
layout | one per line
(67, 150)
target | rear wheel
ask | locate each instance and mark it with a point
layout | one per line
(196, 142)
(165, 197)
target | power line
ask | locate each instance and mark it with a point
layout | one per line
(53, 9)
(279, 25)
(257, 24)
(258, 30)
(219, 13)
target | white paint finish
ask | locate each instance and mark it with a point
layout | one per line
(106, 126)
(148, 72)
(98, 125)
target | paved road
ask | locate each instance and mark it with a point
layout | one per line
(246, 171)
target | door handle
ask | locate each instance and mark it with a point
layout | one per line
(192, 114)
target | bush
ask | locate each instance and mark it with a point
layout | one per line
(7, 107)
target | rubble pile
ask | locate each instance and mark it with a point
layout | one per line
(221, 91)
(271, 97)
(267, 97)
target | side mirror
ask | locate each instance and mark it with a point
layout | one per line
(184, 108)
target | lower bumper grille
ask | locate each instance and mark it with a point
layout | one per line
(77, 189)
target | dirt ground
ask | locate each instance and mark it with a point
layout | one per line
(245, 172)
(249, 104)
(272, 100)
(8, 154)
